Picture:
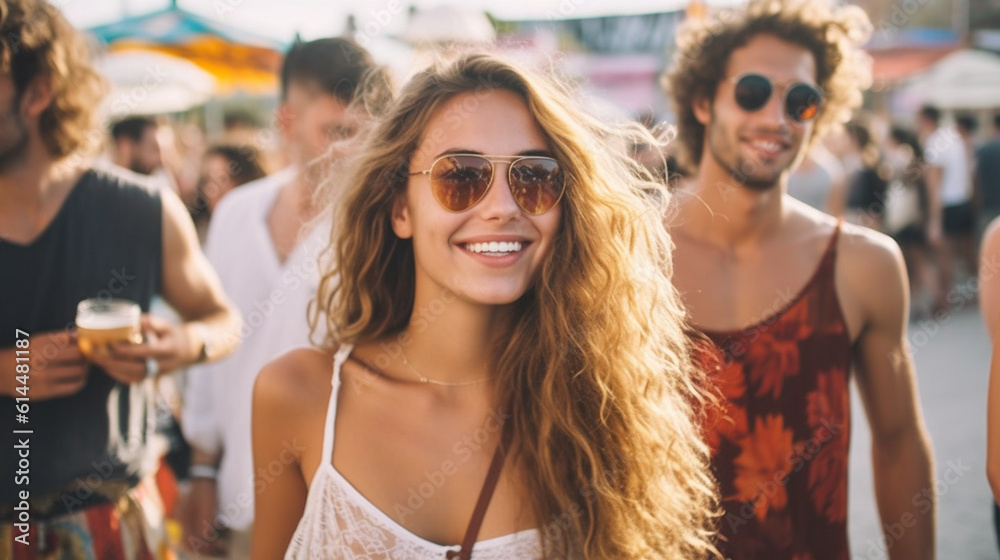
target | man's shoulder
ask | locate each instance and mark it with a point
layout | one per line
(118, 194)
(865, 250)
(111, 178)
(868, 246)
(871, 272)
(247, 199)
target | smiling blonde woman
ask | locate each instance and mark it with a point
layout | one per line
(501, 311)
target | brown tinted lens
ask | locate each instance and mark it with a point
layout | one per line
(459, 182)
(536, 184)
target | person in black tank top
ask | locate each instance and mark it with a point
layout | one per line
(80, 477)
(81, 254)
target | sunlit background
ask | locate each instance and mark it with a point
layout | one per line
(208, 68)
(616, 49)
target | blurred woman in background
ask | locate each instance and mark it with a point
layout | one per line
(223, 168)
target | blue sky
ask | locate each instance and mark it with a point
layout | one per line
(281, 19)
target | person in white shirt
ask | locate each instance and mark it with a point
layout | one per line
(264, 241)
(949, 190)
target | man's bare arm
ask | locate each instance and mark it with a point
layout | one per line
(191, 286)
(280, 410)
(901, 452)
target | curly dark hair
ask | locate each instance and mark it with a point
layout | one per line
(834, 35)
(36, 40)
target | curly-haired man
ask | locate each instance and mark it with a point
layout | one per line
(80, 464)
(793, 299)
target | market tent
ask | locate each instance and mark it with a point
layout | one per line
(966, 79)
(449, 24)
(239, 60)
(151, 83)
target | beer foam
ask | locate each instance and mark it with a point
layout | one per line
(106, 321)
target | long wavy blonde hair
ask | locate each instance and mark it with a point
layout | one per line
(596, 369)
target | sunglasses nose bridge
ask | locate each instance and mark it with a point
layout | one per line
(775, 106)
(498, 196)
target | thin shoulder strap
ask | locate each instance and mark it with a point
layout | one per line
(485, 495)
(830, 255)
(331, 409)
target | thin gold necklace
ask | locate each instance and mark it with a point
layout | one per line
(424, 379)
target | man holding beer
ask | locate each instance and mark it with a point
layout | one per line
(84, 248)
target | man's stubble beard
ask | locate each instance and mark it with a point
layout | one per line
(743, 178)
(12, 152)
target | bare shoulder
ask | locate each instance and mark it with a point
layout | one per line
(294, 386)
(870, 273)
(871, 279)
(868, 253)
(174, 211)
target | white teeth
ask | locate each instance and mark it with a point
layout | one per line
(494, 247)
(769, 146)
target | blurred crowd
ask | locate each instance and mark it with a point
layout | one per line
(871, 172)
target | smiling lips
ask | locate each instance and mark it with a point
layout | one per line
(494, 248)
(768, 148)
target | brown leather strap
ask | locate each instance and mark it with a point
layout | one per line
(489, 485)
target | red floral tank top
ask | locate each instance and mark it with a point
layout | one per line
(780, 439)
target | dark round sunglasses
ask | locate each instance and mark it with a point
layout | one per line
(802, 101)
(460, 181)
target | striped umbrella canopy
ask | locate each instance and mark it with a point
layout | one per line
(239, 60)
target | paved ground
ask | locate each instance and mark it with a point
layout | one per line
(952, 367)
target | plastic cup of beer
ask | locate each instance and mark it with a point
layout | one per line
(101, 322)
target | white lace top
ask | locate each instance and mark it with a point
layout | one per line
(340, 523)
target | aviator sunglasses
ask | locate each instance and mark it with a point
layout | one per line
(460, 181)
(802, 101)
